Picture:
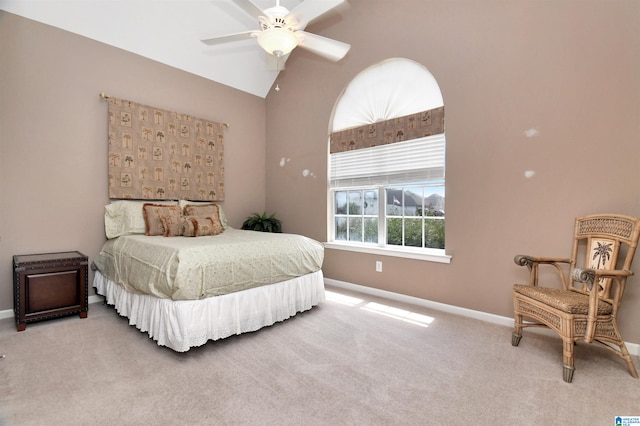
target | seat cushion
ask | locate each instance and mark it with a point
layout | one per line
(570, 302)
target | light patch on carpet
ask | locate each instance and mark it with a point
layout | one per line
(400, 314)
(342, 298)
(379, 308)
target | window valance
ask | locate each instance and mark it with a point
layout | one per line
(408, 127)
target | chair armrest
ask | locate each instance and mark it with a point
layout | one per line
(532, 262)
(524, 260)
(585, 275)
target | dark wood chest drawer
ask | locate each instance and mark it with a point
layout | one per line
(49, 285)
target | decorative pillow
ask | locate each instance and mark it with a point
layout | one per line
(201, 226)
(162, 219)
(125, 217)
(172, 227)
(188, 227)
(204, 209)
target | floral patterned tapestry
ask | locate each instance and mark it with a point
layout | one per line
(413, 126)
(156, 154)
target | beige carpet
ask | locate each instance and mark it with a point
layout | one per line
(336, 364)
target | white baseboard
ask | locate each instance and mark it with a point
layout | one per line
(633, 348)
(8, 313)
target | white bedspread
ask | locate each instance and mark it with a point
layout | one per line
(186, 268)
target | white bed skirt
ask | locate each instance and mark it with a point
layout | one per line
(183, 324)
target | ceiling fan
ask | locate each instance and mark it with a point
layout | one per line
(281, 30)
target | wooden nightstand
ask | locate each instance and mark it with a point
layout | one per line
(49, 285)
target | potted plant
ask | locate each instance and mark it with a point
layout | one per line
(262, 223)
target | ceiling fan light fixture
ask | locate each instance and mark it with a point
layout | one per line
(277, 41)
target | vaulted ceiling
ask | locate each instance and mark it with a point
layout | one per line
(169, 31)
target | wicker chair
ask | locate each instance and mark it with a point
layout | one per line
(576, 312)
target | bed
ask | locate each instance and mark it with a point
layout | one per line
(178, 272)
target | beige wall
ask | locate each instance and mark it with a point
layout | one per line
(53, 144)
(570, 69)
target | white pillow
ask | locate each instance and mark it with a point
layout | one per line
(223, 218)
(125, 217)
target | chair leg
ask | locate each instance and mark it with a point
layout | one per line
(567, 373)
(632, 368)
(517, 330)
(625, 355)
(567, 359)
(623, 352)
(515, 339)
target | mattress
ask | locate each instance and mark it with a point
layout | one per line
(188, 268)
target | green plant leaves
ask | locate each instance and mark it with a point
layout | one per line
(262, 223)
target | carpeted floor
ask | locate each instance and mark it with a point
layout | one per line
(353, 360)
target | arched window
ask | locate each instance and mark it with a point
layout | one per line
(387, 163)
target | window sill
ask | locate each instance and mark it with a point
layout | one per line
(425, 254)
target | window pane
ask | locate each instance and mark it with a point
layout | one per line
(341, 202)
(434, 200)
(394, 202)
(394, 232)
(370, 229)
(355, 229)
(371, 202)
(413, 202)
(434, 233)
(413, 232)
(355, 202)
(341, 228)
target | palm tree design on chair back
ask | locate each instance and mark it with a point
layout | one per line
(602, 253)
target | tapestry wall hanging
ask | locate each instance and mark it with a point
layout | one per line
(156, 154)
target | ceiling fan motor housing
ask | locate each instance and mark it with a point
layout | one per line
(278, 31)
(278, 17)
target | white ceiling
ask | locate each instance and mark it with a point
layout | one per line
(167, 31)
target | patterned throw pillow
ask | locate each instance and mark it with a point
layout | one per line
(172, 226)
(223, 218)
(162, 219)
(201, 226)
(211, 211)
(201, 210)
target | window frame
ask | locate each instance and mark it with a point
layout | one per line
(380, 248)
(429, 255)
(378, 94)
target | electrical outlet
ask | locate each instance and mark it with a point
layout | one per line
(378, 266)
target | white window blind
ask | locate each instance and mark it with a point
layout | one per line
(415, 161)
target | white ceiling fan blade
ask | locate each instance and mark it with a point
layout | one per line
(333, 50)
(308, 10)
(245, 35)
(250, 8)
